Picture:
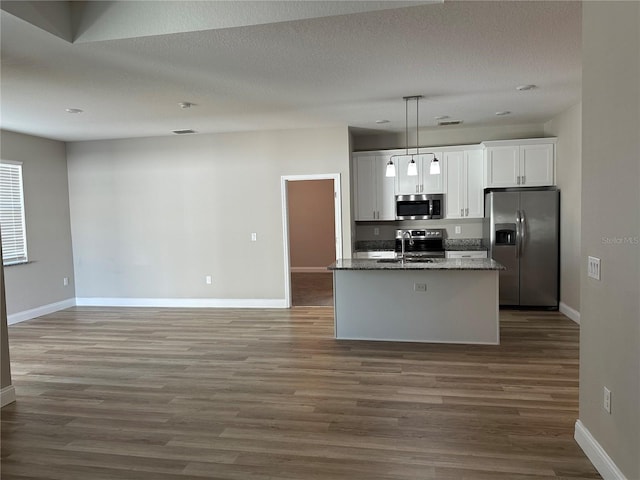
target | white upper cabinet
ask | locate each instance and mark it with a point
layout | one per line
(465, 193)
(374, 191)
(424, 182)
(520, 163)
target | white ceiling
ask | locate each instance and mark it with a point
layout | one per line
(271, 65)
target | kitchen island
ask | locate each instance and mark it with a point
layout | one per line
(439, 300)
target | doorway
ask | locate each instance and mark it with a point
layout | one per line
(312, 237)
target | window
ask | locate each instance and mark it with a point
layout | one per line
(12, 225)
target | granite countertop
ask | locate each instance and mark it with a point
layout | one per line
(434, 264)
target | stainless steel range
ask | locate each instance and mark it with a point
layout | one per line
(426, 243)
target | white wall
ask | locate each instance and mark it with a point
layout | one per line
(46, 199)
(568, 128)
(152, 216)
(610, 308)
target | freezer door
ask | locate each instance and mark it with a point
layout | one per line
(539, 248)
(502, 208)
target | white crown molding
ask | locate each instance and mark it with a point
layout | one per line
(596, 454)
(570, 312)
(182, 302)
(39, 311)
(7, 395)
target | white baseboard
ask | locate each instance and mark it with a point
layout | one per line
(7, 395)
(570, 312)
(39, 311)
(182, 302)
(309, 270)
(596, 454)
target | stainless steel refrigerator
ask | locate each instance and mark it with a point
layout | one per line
(521, 229)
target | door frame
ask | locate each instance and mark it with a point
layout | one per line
(337, 206)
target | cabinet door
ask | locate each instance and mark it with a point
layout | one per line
(537, 165)
(407, 185)
(365, 188)
(385, 190)
(475, 184)
(432, 183)
(455, 200)
(503, 166)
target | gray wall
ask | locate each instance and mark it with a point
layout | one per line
(5, 365)
(568, 128)
(440, 136)
(610, 308)
(152, 216)
(46, 199)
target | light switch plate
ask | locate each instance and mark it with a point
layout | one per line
(254, 237)
(593, 267)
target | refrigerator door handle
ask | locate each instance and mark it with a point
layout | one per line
(523, 230)
(518, 233)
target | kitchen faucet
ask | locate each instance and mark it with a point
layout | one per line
(404, 235)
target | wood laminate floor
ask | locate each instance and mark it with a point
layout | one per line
(168, 394)
(312, 289)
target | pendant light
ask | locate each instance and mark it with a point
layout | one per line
(412, 167)
(391, 169)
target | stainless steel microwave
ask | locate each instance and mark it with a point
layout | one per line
(420, 207)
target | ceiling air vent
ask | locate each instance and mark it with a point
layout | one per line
(450, 122)
(183, 132)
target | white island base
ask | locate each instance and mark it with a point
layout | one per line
(458, 306)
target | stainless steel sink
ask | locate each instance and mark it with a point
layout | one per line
(406, 260)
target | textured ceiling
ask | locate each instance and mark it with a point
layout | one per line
(349, 69)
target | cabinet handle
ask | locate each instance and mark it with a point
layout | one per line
(518, 180)
(523, 180)
(462, 212)
(466, 212)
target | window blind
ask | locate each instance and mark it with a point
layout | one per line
(12, 223)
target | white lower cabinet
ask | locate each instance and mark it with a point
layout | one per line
(465, 193)
(466, 254)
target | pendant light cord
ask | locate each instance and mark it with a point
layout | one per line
(406, 125)
(417, 120)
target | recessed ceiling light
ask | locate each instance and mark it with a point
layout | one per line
(382, 121)
(73, 110)
(503, 113)
(522, 88)
(186, 104)
(441, 117)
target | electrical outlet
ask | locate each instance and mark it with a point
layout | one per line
(606, 401)
(420, 287)
(65, 281)
(593, 267)
(376, 231)
(208, 279)
(458, 229)
(254, 237)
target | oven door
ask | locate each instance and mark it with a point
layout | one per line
(413, 207)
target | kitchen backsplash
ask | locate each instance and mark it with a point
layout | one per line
(383, 231)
